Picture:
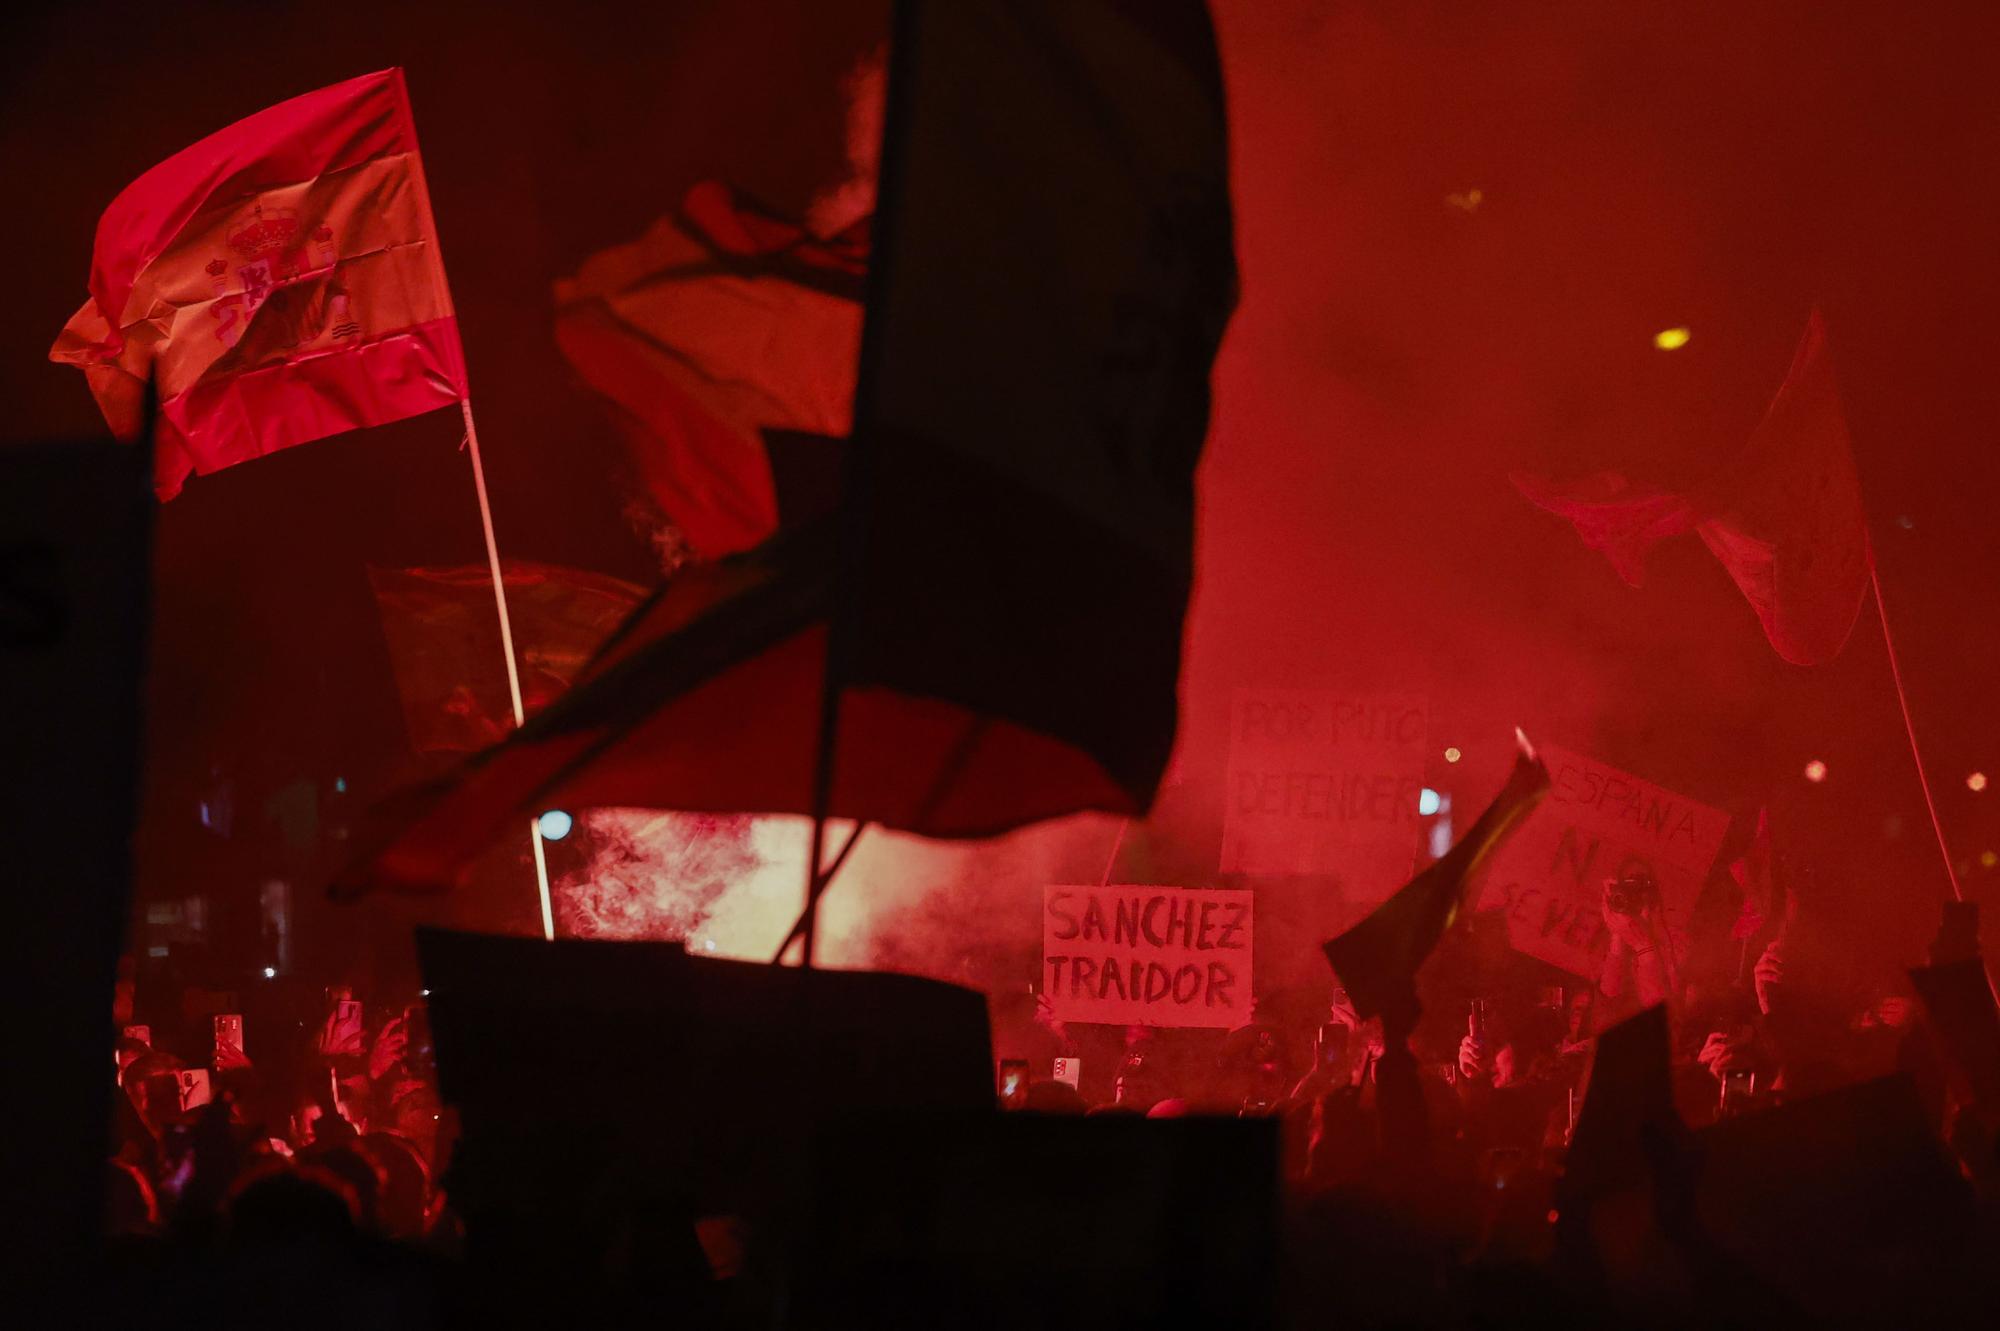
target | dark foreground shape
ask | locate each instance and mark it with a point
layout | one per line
(824, 1139)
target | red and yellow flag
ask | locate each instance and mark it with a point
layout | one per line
(279, 281)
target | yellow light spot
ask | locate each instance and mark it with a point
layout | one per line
(1988, 859)
(1452, 755)
(1977, 781)
(1466, 201)
(1671, 339)
(1815, 771)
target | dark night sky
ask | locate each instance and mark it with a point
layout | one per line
(1640, 166)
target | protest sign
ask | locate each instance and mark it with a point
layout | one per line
(1597, 823)
(1147, 956)
(1325, 783)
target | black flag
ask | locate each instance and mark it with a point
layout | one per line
(1378, 958)
(1052, 270)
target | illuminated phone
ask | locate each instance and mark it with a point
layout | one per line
(1738, 1089)
(1332, 1045)
(1013, 1082)
(1501, 1165)
(229, 1030)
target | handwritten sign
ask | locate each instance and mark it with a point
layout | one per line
(1325, 783)
(1597, 823)
(1147, 956)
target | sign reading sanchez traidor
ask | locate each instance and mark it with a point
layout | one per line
(1147, 956)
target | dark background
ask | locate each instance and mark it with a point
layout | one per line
(1721, 166)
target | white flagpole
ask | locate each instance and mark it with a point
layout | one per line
(479, 485)
(1910, 729)
(507, 648)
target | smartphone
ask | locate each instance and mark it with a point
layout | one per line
(229, 1030)
(193, 1086)
(1069, 1071)
(420, 1052)
(1332, 1046)
(1501, 1165)
(143, 1034)
(1013, 1082)
(347, 1011)
(1738, 1088)
(1475, 1025)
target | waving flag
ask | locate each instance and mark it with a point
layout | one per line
(1053, 271)
(443, 637)
(723, 339)
(1378, 959)
(279, 281)
(1784, 517)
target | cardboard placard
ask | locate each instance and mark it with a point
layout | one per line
(1148, 956)
(1325, 783)
(1597, 822)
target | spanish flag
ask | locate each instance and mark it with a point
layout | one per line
(279, 282)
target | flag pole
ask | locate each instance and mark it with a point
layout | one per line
(507, 650)
(436, 252)
(856, 477)
(1910, 728)
(1117, 844)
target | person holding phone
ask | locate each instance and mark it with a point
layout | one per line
(1511, 1085)
(1014, 1082)
(1639, 963)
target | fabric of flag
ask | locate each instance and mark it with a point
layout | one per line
(1628, 1099)
(1052, 272)
(444, 642)
(1377, 960)
(718, 325)
(1784, 517)
(1766, 907)
(278, 281)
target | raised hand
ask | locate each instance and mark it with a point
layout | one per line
(1769, 975)
(390, 1046)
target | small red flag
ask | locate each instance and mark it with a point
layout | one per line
(1784, 517)
(278, 281)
